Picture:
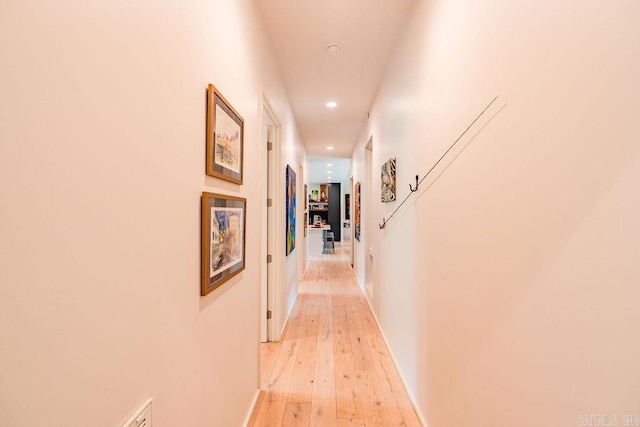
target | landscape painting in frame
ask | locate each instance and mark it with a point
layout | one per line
(223, 239)
(356, 213)
(225, 138)
(291, 210)
(388, 181)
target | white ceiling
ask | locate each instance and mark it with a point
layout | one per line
(300, 31)
(318, 168)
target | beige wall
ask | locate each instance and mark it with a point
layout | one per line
(515, 299)
(296, 260)
(102, 130)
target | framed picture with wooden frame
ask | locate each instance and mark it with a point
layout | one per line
(225, 138)
(388, 181)
(223, 239)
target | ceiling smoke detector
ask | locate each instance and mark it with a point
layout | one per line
(333, 49)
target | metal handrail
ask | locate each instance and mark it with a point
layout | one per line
(413, 190)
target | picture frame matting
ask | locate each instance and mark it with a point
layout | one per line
(223, 245)
(225, 138)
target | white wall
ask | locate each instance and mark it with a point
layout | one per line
(291, 155)
(514, 301)
(102, 161)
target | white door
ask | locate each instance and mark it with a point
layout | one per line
(269, 260)
(368, 213)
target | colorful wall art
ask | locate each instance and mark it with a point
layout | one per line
(291, 210)
(225, 138)
(388, 181)
(223, 239)
(356, 214)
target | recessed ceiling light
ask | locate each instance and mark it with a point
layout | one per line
(333, 48)
(328, 171)
(329, 164)
(331, 104)
(330, 148)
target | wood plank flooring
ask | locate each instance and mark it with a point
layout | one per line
(332, 367)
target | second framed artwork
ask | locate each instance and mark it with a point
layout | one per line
(225, 138)
(291, 210)
(223, 239)
(388, 181)
(357, 207)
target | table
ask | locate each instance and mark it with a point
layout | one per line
(315, 239)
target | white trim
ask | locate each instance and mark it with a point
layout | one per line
(395, 363)
(247, 418)
(264, 214)
(361, 284)
(274, 290)
(286, 320)
(366, 229)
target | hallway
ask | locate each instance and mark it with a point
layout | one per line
(332, 367)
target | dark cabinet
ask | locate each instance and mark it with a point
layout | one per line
(318, 211)
(333, 213)
(329, 211)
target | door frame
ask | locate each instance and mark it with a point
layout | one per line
(270, 276)
(368, 208)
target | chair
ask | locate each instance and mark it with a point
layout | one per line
(328, 242)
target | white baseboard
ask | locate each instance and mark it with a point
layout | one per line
(253, 408)
(287, 316)
(395, 363)
(369, 288)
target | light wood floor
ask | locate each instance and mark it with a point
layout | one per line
(332, 367)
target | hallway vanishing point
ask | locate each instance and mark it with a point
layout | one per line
(331, 367)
